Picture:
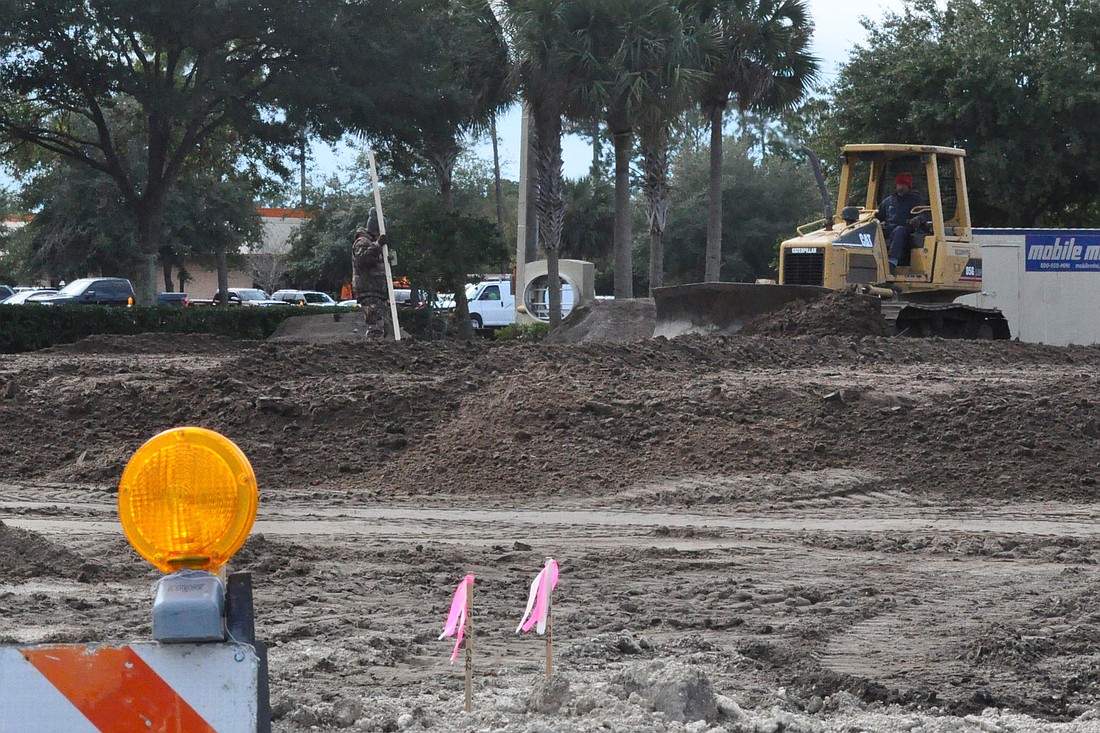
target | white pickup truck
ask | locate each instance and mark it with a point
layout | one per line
(493, 303)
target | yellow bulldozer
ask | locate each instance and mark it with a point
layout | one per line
(847, 249)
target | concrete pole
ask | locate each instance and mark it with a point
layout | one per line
(527, 234)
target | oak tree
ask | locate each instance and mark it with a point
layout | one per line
(93, 80)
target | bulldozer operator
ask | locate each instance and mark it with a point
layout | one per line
(896, 215)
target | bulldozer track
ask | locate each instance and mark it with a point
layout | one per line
(945, 320)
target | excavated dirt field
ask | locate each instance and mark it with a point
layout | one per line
(822, 532)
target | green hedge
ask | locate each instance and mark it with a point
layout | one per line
(30, 327)
(524, 332)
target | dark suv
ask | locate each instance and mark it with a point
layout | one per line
(94, 290)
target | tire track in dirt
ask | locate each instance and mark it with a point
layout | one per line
(923, 642)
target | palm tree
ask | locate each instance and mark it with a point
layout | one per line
(544, 42)
(630, 52)
(763, 64)
(683, 77)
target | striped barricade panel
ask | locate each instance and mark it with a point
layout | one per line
(159, 688)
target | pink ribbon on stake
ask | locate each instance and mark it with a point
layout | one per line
(456, 619)
(539, 598)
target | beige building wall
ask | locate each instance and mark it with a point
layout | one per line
(205, 282)
(262, 263)
(278, 225)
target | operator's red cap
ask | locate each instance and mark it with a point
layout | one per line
(904, 179)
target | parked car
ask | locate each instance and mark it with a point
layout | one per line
(248, 296)
(492, 304)
(304, 297)
(94, 291)
(403, 296)
(29, 296)
(5, 293)
(179, 300)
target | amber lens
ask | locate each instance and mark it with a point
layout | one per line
(187, 499)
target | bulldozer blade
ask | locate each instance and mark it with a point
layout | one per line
(722, 308)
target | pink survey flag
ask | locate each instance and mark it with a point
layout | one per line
(456, 619)
(539, 598)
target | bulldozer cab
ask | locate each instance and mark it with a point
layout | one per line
(868, 173)
(849, 248)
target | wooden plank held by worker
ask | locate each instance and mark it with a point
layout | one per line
(385, 247)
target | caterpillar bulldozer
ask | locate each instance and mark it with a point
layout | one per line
(848, 249)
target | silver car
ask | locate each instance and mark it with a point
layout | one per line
(28, 296)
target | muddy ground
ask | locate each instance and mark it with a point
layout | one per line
(823, 532)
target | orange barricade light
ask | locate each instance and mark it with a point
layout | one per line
(187, 499)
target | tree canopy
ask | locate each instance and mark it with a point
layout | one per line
(83, 226)
(764, 200)
(464, 69)
(94, 79)
(1014, 82)
(436, 249)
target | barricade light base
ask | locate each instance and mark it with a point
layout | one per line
(189, 607)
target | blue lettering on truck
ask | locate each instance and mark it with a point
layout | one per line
(1062, 253)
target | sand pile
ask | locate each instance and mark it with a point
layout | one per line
(608, 321)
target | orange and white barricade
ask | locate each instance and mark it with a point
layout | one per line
(160, 688)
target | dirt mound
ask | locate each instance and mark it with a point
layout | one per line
(607, 321)
(325, 328)
(835, 314)
(382, 416)
(28, 554)
(148, 343)
(821, 523)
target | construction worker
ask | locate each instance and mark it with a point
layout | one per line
(368, 278)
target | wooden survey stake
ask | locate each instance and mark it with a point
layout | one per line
(470, 648)
(549, 636)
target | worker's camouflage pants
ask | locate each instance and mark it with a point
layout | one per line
(377, 320)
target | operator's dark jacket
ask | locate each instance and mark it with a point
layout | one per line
(896, 210)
